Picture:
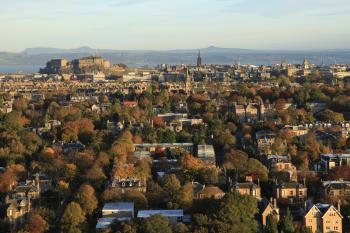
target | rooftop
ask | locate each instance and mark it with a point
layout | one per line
(120, 206)
(166, 213)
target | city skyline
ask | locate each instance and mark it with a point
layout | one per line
(161, 25)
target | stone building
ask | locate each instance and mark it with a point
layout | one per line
(323, 218)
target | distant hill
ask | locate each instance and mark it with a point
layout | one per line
(44, 50)
(86, 49)
(37, 57)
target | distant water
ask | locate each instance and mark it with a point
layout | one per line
(18, 68)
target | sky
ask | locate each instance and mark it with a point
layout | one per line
(175, 24)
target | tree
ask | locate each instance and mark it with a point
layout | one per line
(279, 146)
(280, 105)
(72, 219)
(36, 224)
(167, 136)
(286, 224)
(171, 185)
(236, 213)
(304, 229)
(155, 224)
(137, 197)
(339, 172)
(208, 176)
(235, 159)
(181, 228)
(256, 169)
(95, 176)
(85, 196)
(155, 193)
(110, 195)
(188, 161)
(271, 225)
(224, 140)
(186, 196)
(143, 169)
(330, 116)
(124, 144)
(31, 141)
(124, 227)
(20, 104)
(5, 226)
(15, 121)
(158, 122)
(70, 131)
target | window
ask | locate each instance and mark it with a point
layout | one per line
(291, 193)
(310, 220)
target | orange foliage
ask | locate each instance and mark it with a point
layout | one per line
(188, 161)
(158, 121)
(137, 139)
(124, 171)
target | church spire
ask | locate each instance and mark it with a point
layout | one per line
(199, 59)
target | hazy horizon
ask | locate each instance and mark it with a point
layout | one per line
(168, 25)
(180, 49)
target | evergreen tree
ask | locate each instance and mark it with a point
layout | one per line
(235, 213)
(286, 224)
(271, 225)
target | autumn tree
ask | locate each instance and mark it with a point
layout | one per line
(85, 196)
(124, 144)
(186, 196)
(72, 219)
(158, 121)
(36, 224)
(95, 176)
(15, 121)
(171, 185)
(339, 172)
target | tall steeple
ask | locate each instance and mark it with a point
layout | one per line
(199, 59)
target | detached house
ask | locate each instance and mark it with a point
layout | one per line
(335, 190)
(267, 208)
(323, 218)
(248, 188)
(293, 192)
(21, 199)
